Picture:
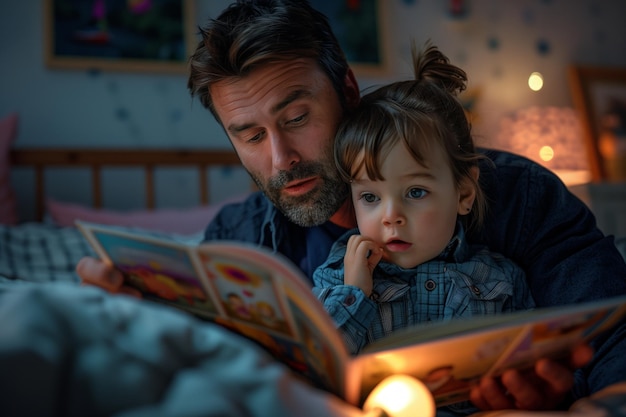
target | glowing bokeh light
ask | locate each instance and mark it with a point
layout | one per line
(546, 153)
(535, 81)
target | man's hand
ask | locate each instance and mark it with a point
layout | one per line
(542, 388)
(95, 272)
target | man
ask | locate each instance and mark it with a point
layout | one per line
(274, 76)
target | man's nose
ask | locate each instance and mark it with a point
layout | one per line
(284, 154)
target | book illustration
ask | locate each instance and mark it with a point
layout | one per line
(162, 273)
(247, 293)
(323, 365)
(445, 386)
(551, 338)
(449, 384)
(287, 350)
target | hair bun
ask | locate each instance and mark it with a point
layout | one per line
(432, 65)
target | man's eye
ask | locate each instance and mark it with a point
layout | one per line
(256, 138)
(417, 193)
(369, 197)
(297, 120)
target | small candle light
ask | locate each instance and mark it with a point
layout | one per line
(400, 396)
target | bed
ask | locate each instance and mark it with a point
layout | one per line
(47, 247)
(67, 349)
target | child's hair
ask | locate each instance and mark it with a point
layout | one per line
(421, 113)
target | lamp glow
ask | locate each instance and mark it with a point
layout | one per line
(535, 81)
(551, 136)
(546, 153)
(401, 396)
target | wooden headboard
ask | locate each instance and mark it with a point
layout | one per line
(96, 159)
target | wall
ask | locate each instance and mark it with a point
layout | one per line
(498, 43)
(83, 108)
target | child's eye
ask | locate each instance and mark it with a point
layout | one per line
(417, 193)
(369, 197)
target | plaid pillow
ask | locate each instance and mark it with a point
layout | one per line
(38, 252)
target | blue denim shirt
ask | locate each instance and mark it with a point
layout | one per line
(463, 281)
(532, 219)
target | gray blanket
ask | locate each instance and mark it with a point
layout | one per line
(68, 350)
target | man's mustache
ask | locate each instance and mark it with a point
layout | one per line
(304, 170)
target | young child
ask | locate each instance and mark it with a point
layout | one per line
(409, 156)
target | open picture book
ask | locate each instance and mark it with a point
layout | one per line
(264, 297)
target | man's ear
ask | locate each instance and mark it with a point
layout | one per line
(467, 192)
(351, 89)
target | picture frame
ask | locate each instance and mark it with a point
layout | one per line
(361, 29)
(599, 95)
(119, 35)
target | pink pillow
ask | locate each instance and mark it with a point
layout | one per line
(8, 203)
(177, 221)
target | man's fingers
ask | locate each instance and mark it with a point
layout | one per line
(491, 395)
(581, 355)
(95, 272)
(525, 392)
(542, 387)
(557, 376)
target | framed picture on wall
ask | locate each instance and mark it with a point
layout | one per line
(360, 27)
(119, 35)
(599, 93)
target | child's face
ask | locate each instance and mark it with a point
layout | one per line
(235, 302)
(412, 213)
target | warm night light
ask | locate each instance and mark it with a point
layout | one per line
(535, 81)
(401, 396)
(546, 153)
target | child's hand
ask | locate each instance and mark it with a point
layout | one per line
(362, 256)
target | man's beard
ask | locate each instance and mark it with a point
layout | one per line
(314, 207)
